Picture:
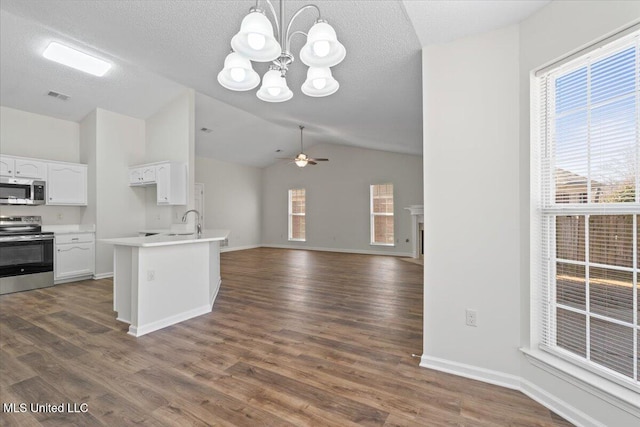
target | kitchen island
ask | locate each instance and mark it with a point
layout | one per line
(164, 279)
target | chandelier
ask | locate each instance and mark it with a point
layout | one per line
(256, 42)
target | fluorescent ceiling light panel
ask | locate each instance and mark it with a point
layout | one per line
(76, 59)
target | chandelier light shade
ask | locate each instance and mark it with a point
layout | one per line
(238, 73)
(322, 48)
(256, 41)
(319, 82)
(274, 88)
(302, 160)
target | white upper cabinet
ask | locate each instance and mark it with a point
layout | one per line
(172, 184)
(7, 166)
(67, 184)
(170, 178)
(29, 168)
(142, 175)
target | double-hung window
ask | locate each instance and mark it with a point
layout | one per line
(586, 194)
(381, 201)
(297, 214)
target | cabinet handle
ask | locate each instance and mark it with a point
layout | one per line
(9, 171)
(75, 238)
(50, 198)
(17, 172)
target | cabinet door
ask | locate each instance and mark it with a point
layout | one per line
(149, 174)
(75, 259)
(67, 184)
(163, 179)
(7, 166)
(27, 168)
(135, 176)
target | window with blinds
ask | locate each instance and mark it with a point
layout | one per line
(297, 214)
(381, 200)
(586, 186)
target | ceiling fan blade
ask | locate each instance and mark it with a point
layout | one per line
(311, 162)
(285, 158)
(319, 160)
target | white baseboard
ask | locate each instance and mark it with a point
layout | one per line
(544, 397)
(103, 276)
(470, 371)
(215, 293)
(560, 407)
(238, 248)
(346, 251)
(172, 320)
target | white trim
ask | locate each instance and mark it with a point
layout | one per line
(215, 294)
(469, 371)
(560, 407)
(617, 395)
(172, 320)
(611, 393)
(346, 251)
(238, 248)
(103, 276)
(73, 279)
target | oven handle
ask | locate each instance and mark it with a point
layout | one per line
(25, 238)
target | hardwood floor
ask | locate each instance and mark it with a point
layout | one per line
(295, 338)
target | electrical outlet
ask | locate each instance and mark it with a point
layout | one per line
(60, 216)
(151, 275)
(472, 317)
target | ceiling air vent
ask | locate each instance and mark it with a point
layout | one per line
(60, 96)
(206, 130)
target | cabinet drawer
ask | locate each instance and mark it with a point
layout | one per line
(75, 238)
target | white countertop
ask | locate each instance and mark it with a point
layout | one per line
(70, 228)
(167, 239)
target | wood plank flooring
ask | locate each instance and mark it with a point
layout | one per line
(295, 338)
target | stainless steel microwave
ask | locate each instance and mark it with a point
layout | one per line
(19, 191)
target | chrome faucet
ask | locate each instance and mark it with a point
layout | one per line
(198, 225)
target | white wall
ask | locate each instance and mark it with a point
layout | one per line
(471, 201)
(232, 196)
(337, 198)
(556, 30)
(33, 135)
(476, 177)
(170, 136)
(119, 209)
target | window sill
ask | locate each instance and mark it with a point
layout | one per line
(391, 245)
(615, 394)
(297, 240)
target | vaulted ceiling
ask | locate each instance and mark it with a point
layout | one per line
(160, 48)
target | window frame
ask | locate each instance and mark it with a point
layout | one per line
(546, 209)
(372, 215)
(291, 214)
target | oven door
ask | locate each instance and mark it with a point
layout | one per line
(20, 255)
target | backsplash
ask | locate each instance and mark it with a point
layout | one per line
(51, 215)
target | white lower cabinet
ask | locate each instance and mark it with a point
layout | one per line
(74, 256)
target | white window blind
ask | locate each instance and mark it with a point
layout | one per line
(586, 187)
(297, 210)
(381, 201)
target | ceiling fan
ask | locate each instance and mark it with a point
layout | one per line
(301, 160)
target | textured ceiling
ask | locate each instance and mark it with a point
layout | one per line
(161, 47)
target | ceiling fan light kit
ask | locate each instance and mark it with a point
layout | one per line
(302, 160)
(256, 42)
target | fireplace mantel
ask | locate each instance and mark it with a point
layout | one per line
(417, 222)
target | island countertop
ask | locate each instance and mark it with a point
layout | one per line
(173, 238)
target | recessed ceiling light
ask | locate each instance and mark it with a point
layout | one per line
(76, 59)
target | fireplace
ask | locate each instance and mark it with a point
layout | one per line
(417, 229)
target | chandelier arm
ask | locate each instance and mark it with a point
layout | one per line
(287, 39)
(275, 17)
(293, 34)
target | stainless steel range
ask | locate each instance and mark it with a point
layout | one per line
(26, 254)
